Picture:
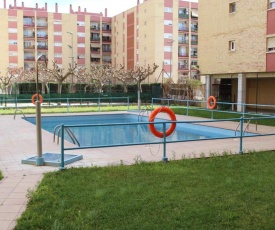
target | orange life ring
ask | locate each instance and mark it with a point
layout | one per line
(34, 96)
(211, 100)
(152, 118)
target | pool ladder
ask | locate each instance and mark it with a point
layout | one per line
(245, 128)
(70, 133)
(143, 111)
(18, 110)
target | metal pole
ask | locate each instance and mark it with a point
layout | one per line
(164, 158)
(72, 57)
(241, 136)
(39, 158)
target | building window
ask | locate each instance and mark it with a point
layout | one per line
(232, 7)
(57, 55)
(57, 44)
(232, 45)
(80, 23)
(12, 54)
(80, 34)
(271, 44)
(12, 30)
(271, 4)
(168, 35)
(57, 33)
(168, 9)
(168, 22)
(12, 42)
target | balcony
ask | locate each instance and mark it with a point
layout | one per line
(183, 67)
(30, 47)
(42, 47)
(95, 39)
(95, 49)
(107, 50)
(42, 36)
(95, 60)
(183, 15)
(29, 58)
(106, 39)
(194, 42)
(182, 41)
(181, 29)
(183, 55)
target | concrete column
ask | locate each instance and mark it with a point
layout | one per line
(207, 86)
(241, 92)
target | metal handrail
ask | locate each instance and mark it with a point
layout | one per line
(246, 127)
(19, 111)
(142, 111)
(70, 133)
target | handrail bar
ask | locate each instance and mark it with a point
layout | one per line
(70, 133)
(19, 111)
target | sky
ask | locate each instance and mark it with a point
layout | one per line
(114, 7)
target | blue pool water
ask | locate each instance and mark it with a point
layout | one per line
(125, 134)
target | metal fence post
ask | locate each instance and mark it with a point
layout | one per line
(164, 158)
(68, 105)
(241, 136)
(187, 109)
(128, 103)
(62, 148)
(98, 104)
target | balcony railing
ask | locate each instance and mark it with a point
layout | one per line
(95, 28)
(28, 24)
(42, 24)
(107, 50)
(29, 58)
(183, 28)
(43, 47)
(95, 60)
(194, 42)
(106, 39)
(95, 39)
(182, 55)
(183, 67)
(29, 47)
(182, 15)
(183, 41)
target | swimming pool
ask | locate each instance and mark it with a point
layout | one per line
(125, 134)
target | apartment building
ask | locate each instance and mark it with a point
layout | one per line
(161, 32)
(78, 36)
(236, 49)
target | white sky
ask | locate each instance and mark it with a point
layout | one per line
(114, 7)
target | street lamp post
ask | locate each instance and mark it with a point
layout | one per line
(72, 56)
(39, 158)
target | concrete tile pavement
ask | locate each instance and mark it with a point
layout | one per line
(18, 141)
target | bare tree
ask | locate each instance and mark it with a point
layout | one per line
(12, 75)
(101, 74)
(60, 75)
(139, 74)
(44, 77)
(123, 76)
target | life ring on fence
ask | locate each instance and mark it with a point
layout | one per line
(152, 118)
(211, 100)
(40, 98)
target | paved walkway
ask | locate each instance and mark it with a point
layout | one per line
(18, 141)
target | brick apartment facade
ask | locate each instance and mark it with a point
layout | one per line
(237, 49)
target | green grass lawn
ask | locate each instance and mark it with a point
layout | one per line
(228, 192)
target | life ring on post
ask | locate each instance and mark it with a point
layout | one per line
(211, 102)
(40, 98)
(152, 118)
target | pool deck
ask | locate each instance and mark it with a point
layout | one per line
(18, 142)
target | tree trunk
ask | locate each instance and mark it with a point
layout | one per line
(59, 87)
